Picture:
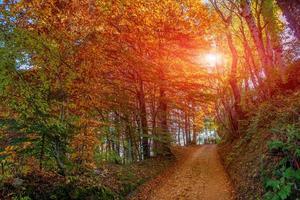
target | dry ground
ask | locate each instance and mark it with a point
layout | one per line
(198, 174)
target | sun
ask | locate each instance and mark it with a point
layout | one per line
(212, 59)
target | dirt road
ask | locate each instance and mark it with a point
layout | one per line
(197, 175)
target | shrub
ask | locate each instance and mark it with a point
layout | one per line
(284, 180)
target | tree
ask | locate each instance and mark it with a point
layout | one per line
(291, 10)
(100, 77)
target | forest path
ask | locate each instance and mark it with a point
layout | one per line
(198, 174)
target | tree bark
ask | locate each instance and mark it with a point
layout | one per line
(143, 116)
(233, 77)
(164, 135)
(194, 141)
(257, 37)
(250, 61)
(42, 151)
(186, 127)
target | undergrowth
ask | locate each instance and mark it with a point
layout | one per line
(280, 173)
(108, 182)
(267, 154)
(284, 181)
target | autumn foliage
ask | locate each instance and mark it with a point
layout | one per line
(94, 81)
(86, 83)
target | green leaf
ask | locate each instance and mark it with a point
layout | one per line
(285, 191)
(274, 184)
(297, 174)
(297, 153)
(271, 196)
(275, 145)
(289, 172)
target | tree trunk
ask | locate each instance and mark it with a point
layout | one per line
(2, 168)
(184, 134)
(144, 124)
(178, 131)
(164, 135)
(194, 130)
(233, 78)
(250, 61)
(59, 157)
(257, 37)
(233, 73)
(186, 127)
(42, 152)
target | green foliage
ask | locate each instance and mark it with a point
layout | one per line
(276, 145)
(284, 182)
(128, 181)
(35, 99)
(272, 137)
(109, 156)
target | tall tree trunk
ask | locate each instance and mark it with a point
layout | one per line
(272, 30)
(178, 133)
(257, 38)
(164, 135)
(153, 116)
(233, 123)
(184, 132)
(250, 61)
(143, 116)
(2, 168)
(233, 78)
(59, 156)
(186, 127)
(194, 131)
(42, 151)
(238, 112)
